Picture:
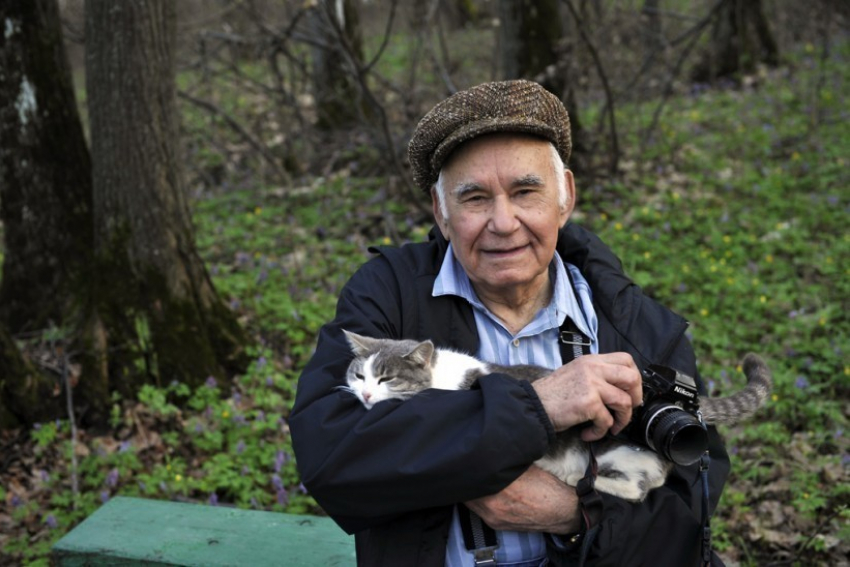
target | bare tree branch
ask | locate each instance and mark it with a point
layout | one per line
(247, 136)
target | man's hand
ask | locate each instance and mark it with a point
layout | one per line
(597, 388)
(534, 502)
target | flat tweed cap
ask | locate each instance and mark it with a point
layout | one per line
(521, 106)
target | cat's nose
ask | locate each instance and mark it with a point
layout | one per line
(366, 396)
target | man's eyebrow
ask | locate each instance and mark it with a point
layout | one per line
(464, 188)
(530, 180)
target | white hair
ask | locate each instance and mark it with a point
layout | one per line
(560, 179)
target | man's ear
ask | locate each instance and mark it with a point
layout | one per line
(570, 185)
(442, 222)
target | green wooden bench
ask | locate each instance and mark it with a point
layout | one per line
(135, 531)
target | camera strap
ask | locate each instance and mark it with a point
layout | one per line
(479, 538)
(704, 462)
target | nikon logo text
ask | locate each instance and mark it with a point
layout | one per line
(680, 390)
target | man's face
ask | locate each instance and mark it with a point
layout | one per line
(502, 211)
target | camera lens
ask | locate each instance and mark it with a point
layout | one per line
(675, 434)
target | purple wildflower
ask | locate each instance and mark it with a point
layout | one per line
(802, 383)
(142, 487)
(279, 461)
(124, 446)
(302, 488)
(51, 522)
(104, 496)
(213, 500)
(211, 382)
(16, 501)
(45, 477)
(240, 447)
(261, 363)
(269, 381)
(261, 416)
(254, 503)
(282, 497)
(112, 478)
(237, 397)
(277, 482)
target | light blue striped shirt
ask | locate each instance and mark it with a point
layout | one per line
(536, 343)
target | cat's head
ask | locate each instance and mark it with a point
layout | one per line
(386, 369)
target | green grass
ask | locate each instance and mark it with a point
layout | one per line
(735, 216)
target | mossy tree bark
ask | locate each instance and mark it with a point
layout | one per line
(740, 39)
(45, 202)
(156, 305)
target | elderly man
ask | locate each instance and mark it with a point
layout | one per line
(504, 276)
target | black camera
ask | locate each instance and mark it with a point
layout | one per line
(668, 422)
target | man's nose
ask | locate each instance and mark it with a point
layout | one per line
(504, 218)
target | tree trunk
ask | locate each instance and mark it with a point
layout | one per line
(530, 31)
(740, 39)
(45, 193)
(654, 38)
(156, 306)
(336, 28)
(531, 46)
(45, 203)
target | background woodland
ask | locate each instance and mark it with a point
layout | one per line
(185, 187)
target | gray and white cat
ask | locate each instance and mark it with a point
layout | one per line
(384, 369)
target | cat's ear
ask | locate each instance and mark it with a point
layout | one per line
(421, 354)
(360, 345)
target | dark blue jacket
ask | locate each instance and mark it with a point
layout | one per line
(391, 475)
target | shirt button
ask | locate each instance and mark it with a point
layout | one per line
(516, 342)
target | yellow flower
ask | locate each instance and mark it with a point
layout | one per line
(178, 477)
(258, 210)
(763, 299)
(703, 312)
(769, 258)
(386, 241)
(727, 239)
(647, 255)
(795, 156)
(635, 237)
(822, 321)
(774, 398)
(603, 216)
(225, 414)
(847, 370)
(618, 226)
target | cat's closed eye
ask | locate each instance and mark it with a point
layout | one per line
(359, 376)
(385, 379)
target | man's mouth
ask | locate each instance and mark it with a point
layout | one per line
(505, 252)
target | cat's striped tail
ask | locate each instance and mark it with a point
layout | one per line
(743, 404)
